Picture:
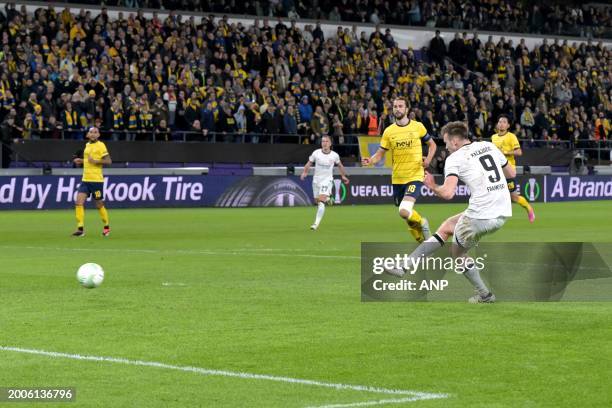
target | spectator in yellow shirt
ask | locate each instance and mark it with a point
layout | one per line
(77, 31)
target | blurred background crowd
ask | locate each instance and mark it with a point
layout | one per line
(139, 78)
(560, 17)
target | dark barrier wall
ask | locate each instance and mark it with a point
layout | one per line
(545, 157)
(194, 152)
(170, 152)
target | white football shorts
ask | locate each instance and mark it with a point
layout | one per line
(322, 188)
(468, 231)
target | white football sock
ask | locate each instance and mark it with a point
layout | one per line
(473, 275)
(320, 212)
(428, 247)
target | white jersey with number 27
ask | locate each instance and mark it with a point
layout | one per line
(479, 165)
(324, 165)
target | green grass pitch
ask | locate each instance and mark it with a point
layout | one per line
(239, 290)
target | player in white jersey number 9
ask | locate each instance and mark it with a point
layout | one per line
(484, 169)
(324, 160)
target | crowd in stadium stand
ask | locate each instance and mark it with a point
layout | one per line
(568, 18)
(136, 77)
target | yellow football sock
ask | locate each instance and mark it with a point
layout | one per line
(415, 217)
(417, 234)
(522, 201)
(79, 211)
(414, 223)
(103, 215)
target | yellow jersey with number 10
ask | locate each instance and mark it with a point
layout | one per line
(507, 143)
(405, 145)
(93, 172)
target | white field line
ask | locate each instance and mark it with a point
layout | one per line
(414, 395)
(250, 252)
(173, 284)
(377, 402)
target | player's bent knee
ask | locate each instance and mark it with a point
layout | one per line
(444, 235)
(444, 231)
(447, 228)
(80, 199)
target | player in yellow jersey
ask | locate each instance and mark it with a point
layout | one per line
(95, 156)
(509, 145)
(403, 140)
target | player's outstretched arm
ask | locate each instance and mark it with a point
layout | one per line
(445, 191)
(345, 179)
(380, 153)
(307, 167)
(431, 152)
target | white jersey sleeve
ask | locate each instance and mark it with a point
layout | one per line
(480, 166)
(451, 167)
(313, 156)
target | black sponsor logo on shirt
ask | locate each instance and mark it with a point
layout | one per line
(404, 143)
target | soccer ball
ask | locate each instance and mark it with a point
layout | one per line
(90, 275)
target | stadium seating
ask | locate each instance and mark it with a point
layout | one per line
(182, 79)
(565, 18)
